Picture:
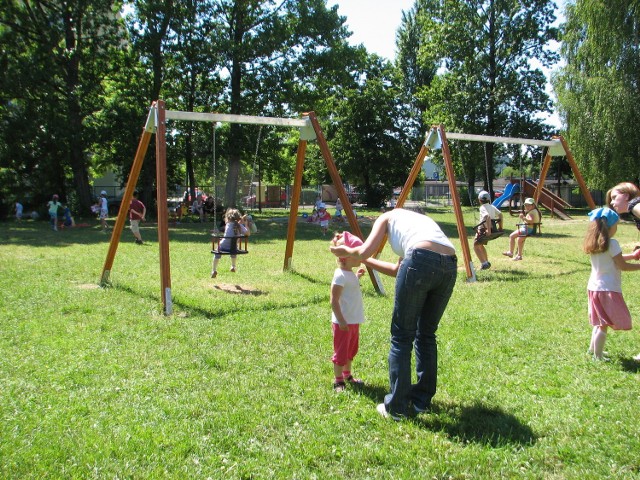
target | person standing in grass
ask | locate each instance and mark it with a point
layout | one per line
(137, 212)
(425, 276)
(104, 210)
(347, 313)
(19, 208)
(52, 207)
(607, 307)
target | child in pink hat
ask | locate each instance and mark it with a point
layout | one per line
(347, 313)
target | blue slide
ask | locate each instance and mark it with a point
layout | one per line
(509, 191)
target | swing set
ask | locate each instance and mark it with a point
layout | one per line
(437, 139)
(309, 129)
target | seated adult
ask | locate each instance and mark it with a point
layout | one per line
(530, 217)
(489, 228)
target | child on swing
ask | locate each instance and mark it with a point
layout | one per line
(234, 227)
(347, 313)
(607, 307)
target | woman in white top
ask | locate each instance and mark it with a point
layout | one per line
(425, 276)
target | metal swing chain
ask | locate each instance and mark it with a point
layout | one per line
(255, 160)
(215, 193)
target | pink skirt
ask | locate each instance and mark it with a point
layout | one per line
(608, 309)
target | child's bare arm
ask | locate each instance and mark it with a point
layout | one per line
(336, 292)
(622, 264)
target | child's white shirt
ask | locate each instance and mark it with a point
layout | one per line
(605, 276)
(351, 298)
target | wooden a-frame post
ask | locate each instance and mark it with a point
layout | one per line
(156, 122)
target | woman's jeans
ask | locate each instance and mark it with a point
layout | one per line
(424, 285)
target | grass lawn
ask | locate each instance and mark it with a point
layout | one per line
(237, 383)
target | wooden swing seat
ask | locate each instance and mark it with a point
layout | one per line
(238, 247)
(537, 230)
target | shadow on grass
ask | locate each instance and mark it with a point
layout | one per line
(524, 275)
(477, 423)
(629, 365)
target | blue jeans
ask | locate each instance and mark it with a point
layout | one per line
(424, 285)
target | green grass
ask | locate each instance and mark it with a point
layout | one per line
(98, 383)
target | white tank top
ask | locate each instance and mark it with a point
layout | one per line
(407, 228)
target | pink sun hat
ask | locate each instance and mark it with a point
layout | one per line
(351, 240)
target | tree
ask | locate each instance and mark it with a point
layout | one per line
(56, 55)
(598, 89)
(371, 139)
(487, 83)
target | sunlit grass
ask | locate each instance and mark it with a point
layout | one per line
(98, 383)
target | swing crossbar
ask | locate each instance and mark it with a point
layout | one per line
(238, 245)
(229, 118)
(487, 139)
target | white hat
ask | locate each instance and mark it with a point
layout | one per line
(484, 195)
(529, 201)
(103, 192)
(322, 205)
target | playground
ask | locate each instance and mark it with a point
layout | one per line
(236, 381)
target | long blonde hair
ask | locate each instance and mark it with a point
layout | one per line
(597, 238)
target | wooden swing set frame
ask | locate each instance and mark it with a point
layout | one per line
(309, 129)
(437, 139)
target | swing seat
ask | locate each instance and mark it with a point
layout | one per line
(523, 229)
(238, 245)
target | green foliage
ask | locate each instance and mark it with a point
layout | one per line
(486, 83)
(372, 147)
(597, 90)
(236, 384)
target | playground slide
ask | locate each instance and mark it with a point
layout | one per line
(548, 200)
(509, 191)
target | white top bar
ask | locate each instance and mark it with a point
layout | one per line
(228, 118)
(485, 138)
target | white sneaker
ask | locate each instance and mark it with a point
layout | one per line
(382, 410)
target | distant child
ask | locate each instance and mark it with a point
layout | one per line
(235, 227)
(530, 217)
(53, 206)
(490, 222)
(137, 212)
(607, 307)
(104, 210)
(338, 208)
(323, 218)
(19, 210)
(347, 313)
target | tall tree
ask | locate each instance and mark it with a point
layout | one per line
(598, 89)
(488, 83)
(370, 132)
(268, 47)
(56, 56)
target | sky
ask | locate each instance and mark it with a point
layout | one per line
(374, 24)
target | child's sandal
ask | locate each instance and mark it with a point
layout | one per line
(339, 387)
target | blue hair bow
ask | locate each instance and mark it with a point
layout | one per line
(610, 215)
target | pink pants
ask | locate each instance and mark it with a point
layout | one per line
(345, 343)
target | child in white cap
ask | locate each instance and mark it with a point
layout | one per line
(347, 313)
